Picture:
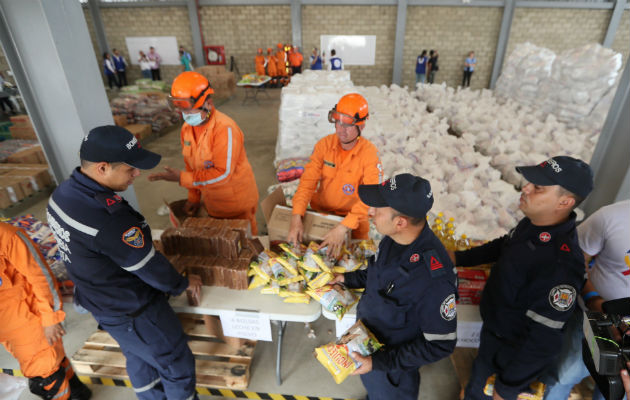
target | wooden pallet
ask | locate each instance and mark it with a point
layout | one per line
(220, 362)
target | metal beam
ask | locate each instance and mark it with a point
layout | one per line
(350, 2)
(244, 2)
(610, 161)
(564, 4)
(296, 23)
(456, 3)
(195, 30)
(504, 37)
(48, 47)
(114, 4)
(615, 18)
(99, 28)
(399, 44)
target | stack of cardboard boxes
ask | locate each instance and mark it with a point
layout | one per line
(22, 127)
(140, 131)
(20, 180)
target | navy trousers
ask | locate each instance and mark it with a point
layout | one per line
(159, 361)
(399, 385)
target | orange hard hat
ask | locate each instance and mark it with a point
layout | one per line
(352, 105)
(279, 45)
(189, 90)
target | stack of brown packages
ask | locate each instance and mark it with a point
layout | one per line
(217, 250)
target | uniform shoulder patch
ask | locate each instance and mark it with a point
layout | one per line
(433, 263)
(562, 297)
(448, 308)
(133, 237)
(111, 202)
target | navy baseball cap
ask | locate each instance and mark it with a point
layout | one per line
(408, 194)
(572, 174)
(111, 143)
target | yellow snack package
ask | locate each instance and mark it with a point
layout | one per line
(347, 263)
(289, 263)
(292, 251)
(309, 275)
(288, 280)
(262, 270)
(323, 262)
(298, 299)
(251, 271)
(272, 288)
(367, 248)
(257, 281)
(337, 357)
(278, 270)
(334, 298)
(320, 280)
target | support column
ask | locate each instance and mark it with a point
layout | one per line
(399, 44)
(296, 23)
(48, 47)
(610, 161)
(99, 28)
(195, 31)
(504, 37)
(613, 24)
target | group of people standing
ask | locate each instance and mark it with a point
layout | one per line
(286, 61)
(150, 64)
(318, 61)
(115, 66)
(427, 66)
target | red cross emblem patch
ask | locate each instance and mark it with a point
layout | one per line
(544, 237)
(414, 257)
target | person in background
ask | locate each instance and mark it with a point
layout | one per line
(4, 98)
(272, 70)
(339, 164)
(187, 54)
(110, 71)
(421, 67)
(259, 62)
(336, 64)
(217, 169)
(469, 68)
(145, 65)
(155, 60)
(410, 290)
(295, 59)
(316, 60)
(432, 66)
(281, 65)
(537, 274)
(604, 237)
(121, 66)
(31, 318)
(185, 61)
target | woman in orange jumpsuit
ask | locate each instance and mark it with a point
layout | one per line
(259, 60)
(339, 164)
(31, 316)
(272, 71)
(217, 169)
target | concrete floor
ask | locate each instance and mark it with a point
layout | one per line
(302, 374)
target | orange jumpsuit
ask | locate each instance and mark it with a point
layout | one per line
(295, 59)
(29, 302)
(260, 64)
(281, 60)
(272, 66)
(217, 169)
(339, 173)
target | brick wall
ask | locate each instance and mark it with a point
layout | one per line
(622, 41)
(244, 29)
(558, 29)
(366, 20)
(454, 32)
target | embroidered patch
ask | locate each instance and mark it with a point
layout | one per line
(544, 237)
(414, 257)
(432, 262)
(435, 264)
(208, 164)
(330, 164)
(564, 247)
(448, 309)
(562, 297)
(348, 189)
(134, 237)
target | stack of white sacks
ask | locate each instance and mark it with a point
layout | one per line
(409, 139)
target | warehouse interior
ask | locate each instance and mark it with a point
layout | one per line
(52, 54)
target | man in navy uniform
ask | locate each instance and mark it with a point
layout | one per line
(118, 276)
(537, 276)
(410, 287)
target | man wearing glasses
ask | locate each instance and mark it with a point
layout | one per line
(339, 164)
(217, 170)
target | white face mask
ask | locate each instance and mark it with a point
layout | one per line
(193, 119)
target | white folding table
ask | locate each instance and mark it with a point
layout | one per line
(215, 299)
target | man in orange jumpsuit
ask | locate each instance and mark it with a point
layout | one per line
(272, 71)
(281, 64)
(259, 60)
(31, 316)
(217, 169)
(296, 59)
(339, 164)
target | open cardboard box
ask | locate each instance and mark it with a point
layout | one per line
(278, 217)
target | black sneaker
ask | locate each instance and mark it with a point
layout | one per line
(78, 390)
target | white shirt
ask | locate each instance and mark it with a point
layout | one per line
(606, 235)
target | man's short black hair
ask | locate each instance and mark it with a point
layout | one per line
(414, 221)
(564, 192)
(333, 52)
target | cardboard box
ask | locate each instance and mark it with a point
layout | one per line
(140, 131)
(30, 155)
(278, 217)
(177, 215)
(21, 119)
(10, 191)
(38, 178)
(23, 132)
(120, 120)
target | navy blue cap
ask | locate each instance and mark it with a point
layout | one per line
(408, 194)
(572, 174)
(112, 143)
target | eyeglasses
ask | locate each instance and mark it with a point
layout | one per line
(344, 120)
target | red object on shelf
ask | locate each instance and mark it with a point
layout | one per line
(215, 55)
